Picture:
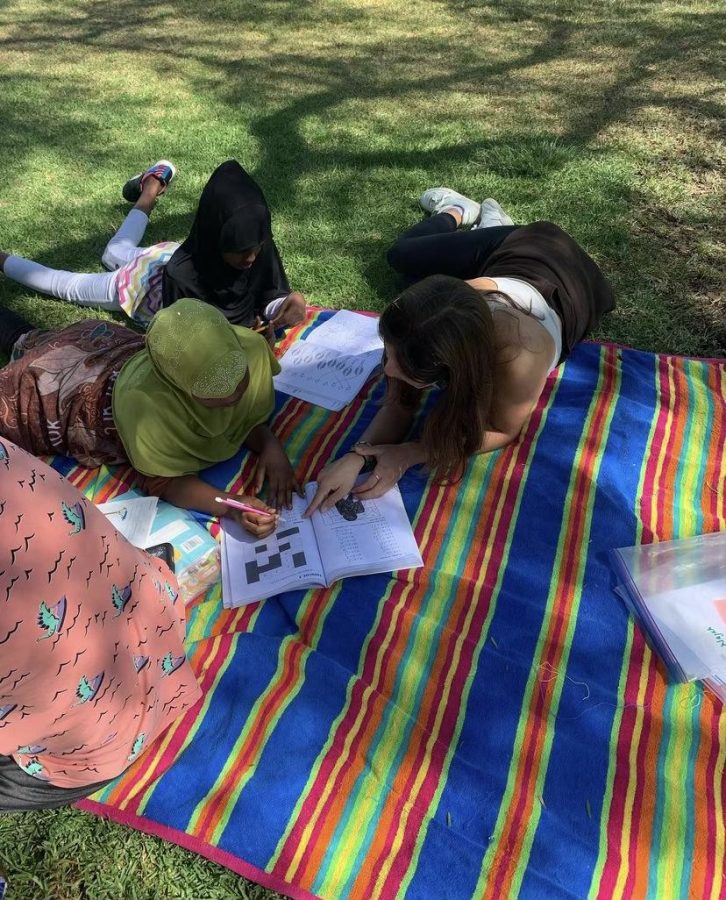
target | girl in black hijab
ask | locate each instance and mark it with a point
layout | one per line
(230, 259)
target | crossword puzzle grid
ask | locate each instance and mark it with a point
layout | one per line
(256, 568)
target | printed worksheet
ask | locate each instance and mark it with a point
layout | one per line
(347, 332)
(355, 537)
(253, 568)
(331, 365)
(133, 516)
(359, 537)
(323, 376)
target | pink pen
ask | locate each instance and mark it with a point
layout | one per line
(245, 507)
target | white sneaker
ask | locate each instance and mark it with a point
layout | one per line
(492, 214)
(436, 200)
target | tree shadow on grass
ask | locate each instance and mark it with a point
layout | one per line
(288, 87)
(670, 47)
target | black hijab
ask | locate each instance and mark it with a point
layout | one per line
(232, 217)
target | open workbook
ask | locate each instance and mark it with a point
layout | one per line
(355, 537)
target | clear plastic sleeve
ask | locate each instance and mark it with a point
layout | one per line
(677, 591)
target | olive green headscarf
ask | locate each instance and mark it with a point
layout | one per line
(191, 351)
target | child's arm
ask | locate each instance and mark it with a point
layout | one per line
(289, 311)
(190, 492)
(272, 463)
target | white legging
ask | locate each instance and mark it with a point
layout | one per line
(97, 289)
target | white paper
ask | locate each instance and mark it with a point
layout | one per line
(347, 332)
(133, 517)
(364, 536)
(323, 376)
(256, 568)
(377, 539)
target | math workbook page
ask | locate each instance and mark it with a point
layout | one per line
(256, 568)
(364, 537)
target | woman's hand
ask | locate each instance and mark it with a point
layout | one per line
(335, 482)
(292, 311)
(392, 460)
(259, 526)
(274, 464)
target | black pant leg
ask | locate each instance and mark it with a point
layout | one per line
(439, 223)
(20, 792)
(435, 247)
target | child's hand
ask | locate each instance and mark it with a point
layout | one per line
(292, 311)
(259, 525)
(274, 465)
(266, 329)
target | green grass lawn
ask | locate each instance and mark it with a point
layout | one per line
(606, 116)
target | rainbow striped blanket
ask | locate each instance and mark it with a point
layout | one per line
(492, 725)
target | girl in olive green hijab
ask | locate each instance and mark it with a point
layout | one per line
(188, 396)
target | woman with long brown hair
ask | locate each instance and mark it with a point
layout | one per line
(490, 313)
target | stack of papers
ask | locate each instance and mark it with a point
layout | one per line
(147, 521)
(332, 364)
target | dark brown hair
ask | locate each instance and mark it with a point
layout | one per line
(442, 332)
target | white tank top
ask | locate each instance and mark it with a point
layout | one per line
(529, 300)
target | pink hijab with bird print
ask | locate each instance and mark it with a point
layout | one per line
(92, 662)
